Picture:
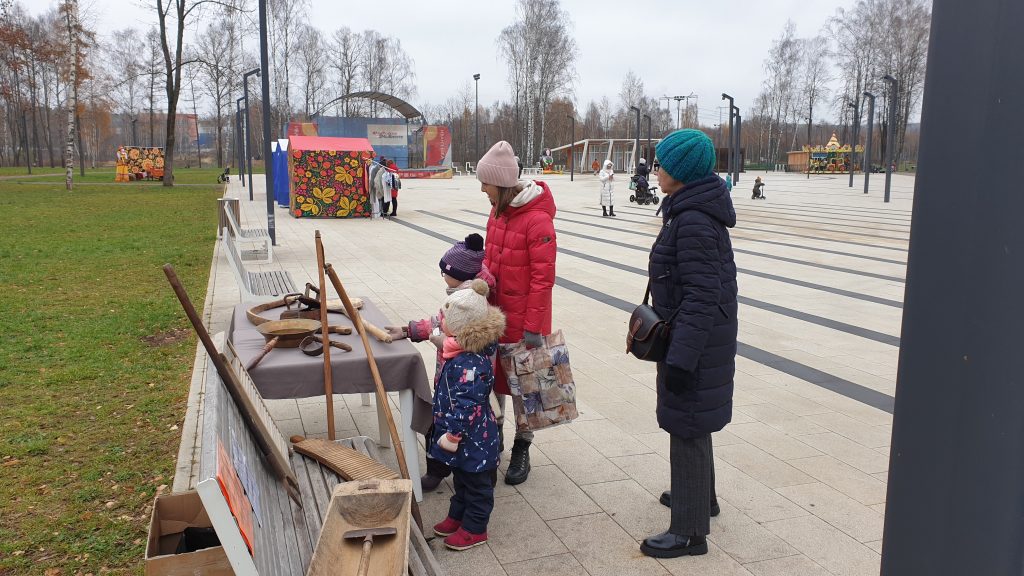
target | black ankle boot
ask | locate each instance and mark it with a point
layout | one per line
(436, 471)
(604, 211)
(668, 545)
(518, 463)
(611, 211)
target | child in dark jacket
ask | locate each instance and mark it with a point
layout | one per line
(460, 265)
(465, 433)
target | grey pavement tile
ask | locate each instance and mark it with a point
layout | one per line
(291, 427)
(880, 508)
(782, 420)
(516, 533)
(776, 443)
(553, 495)
(608, 438)
(472, 562)
(631, 506)
(725, 438)
(859, 432)
(581, 462)
(751, 497)
(603, 547)
(558, 565)
(761, 466)
(791, 402)
(860, 457)
(563, 433)
(875, 545)
(862, 487)
(657, 442)
(839, 510)
(651, 471)
(715, 563)
(828, 546)
(788, 566)
(282, 409)
(881, 476)
(743, 539)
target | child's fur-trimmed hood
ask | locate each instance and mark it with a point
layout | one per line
(477, 336)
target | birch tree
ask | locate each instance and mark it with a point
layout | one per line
(70, 12)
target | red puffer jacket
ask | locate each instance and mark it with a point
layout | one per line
(520, 253)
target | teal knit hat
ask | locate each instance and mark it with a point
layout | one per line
(687, 155)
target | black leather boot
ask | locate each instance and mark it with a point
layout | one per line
(604, 211)
(611, 211)
(666, 501)
(668, 545)
(436, 471)
(518, 463)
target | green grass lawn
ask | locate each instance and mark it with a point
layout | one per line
(95, 366)
(105, 175)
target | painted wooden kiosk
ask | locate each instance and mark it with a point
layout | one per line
(327, 177)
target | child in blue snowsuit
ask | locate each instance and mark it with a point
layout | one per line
(465, 435)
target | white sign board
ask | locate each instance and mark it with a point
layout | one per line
(386, 134)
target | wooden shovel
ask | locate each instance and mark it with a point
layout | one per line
(382, 395)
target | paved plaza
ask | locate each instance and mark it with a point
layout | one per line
(801, 470)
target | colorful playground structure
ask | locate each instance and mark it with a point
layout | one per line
(832, 158)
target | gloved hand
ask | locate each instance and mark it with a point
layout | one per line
(533, 340)
(397, 332)
(679, 381)
(449, 442)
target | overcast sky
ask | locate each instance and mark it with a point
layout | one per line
(677, 47)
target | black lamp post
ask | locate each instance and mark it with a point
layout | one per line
(135, 137)
(241, 140)
(248, 128)
(729, 139)
(856, 136)
(739, 155)
(890, 140)
(867, 142)
(648, 150)
(636, 136)
(476, 114)
(268, 166)
(572, 147)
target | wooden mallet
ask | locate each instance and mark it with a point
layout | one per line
(367, 535)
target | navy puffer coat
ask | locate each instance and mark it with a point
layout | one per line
(692, 269)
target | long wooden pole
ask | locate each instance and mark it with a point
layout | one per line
(277, 461)
(325, 329)
(382, 395)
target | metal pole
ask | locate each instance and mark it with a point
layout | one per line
(957, 452)
(476, 114)
(248, 127)
(739, 151)
(866, 160)
(241, 140)
(268, 169)
(648, 150)
(572, 147)
(636, 136)
(135, 135)
(856, 137)
(729, 158)
(890, 141)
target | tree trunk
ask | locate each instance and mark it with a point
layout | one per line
(72, 100)
(81, 149)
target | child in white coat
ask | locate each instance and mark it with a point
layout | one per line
(607, 176)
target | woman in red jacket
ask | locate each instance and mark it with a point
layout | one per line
(520, 253)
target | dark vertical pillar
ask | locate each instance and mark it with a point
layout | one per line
(891, 102)
(729, 159)
(241, 140)
(867, 161)
(739, 152)
(856, 137)
(956, 471)
(268, 169)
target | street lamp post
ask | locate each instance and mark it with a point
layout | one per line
(248, 128)
(867, 142)
(135, 136)
(647, 151)
(739, 155)
(268, 166)
(856, 136)
(476, 114)
(890, 140)
(241, 141)
(729, 158)
(679, 111)
(636, 135)
(572, 147)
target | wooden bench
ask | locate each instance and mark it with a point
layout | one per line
(255, 285)
(285, 535)
(257, 236)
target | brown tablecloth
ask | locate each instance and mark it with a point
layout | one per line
(288, 373)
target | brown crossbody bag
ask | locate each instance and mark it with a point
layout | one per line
(649, 335)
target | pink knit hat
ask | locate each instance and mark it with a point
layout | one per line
(498, 167)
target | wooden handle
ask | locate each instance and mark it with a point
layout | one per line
(325, 337)
(382, 395)
(266, 350)
(262, 436)
(364, 558)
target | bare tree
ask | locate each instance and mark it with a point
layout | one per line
(346, 64)
(70, 11)
(123, 55)
(312, 69)
(814, 76)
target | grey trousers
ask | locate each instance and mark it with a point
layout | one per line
(526, 435)
(693, 485)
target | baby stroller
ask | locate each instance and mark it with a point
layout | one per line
(644, 193)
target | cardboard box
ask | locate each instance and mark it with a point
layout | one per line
(172, 514)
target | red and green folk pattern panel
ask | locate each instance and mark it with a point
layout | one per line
(330, 184)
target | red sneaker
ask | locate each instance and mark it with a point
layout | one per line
(462, 540)
(446, 528)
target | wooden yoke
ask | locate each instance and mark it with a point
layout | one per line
(382, 395)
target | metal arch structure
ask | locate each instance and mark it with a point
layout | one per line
(408, 111)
